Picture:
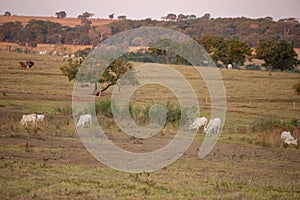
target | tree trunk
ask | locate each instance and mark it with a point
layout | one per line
(103, 89)
(95, 88)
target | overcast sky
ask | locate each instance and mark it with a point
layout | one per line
(138, 9)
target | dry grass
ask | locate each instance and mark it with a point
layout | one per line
(250, 94)
(50, 162)
(61, 49)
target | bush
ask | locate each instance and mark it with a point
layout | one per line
(104, 108)
(84, 52)
(267, 123)
(19, 50)
(252, 67)
(66, 109)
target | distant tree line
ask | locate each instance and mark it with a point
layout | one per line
(180, 17)
(38, 31)
(250, 31)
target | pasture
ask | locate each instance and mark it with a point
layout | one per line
(50, 162)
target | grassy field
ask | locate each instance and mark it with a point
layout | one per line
(50, 162)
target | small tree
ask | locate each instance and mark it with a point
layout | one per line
(70, 69)
(110, 77)
(87, 15)
(206, 16)
(61, 14)
(111, 16)
(277, 54)
(7, 14)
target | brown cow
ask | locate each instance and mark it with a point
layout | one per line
(22, 65)
(29, 63)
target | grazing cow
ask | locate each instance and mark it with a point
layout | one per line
(43, 52)
(287, 138)
(29, 63)
(198, 123)
(40, 118)
(84, 119)
(213, 126)
(32, 118)
(22, 65)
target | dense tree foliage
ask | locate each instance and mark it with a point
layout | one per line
(226, 51)
(277, 54)
(215, 46)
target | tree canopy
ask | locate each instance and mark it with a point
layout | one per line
(277, 54)
(226, 51)
(61, 14)
(112, 74)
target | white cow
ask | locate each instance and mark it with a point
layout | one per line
(84, 119)
(287, 138)
(32, 118)
(40, 118)
(198, 123)
(213, 126)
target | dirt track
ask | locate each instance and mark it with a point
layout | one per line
(72, 151)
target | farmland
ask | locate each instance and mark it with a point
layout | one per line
(50, 162)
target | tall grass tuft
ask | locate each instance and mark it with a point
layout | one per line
(268, 123)
(65, 109)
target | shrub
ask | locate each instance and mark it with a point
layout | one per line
(104, 108)
(264, 123)
(268, 123)
(19, 50)
(65, 109)
(252, 67)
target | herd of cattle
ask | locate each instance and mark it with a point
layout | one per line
(212, 127)
(34, 119)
